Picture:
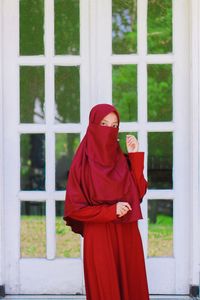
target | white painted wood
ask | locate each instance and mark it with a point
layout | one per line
(142, 106)
(181, 141)
(195, 138)
(85, 96)
(60, 60)
(11, 144)
(2, 222)
(40, 128)
(60, 276)
(165, 266)
(104, 50)
(26, 275)
(175, 279)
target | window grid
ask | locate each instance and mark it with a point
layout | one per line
(49, 60)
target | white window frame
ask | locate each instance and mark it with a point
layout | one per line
(24, 275)
(175, 278)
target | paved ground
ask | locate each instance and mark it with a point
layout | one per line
(64, 297)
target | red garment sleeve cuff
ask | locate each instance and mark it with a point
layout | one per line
(137, 161)
(113, 210)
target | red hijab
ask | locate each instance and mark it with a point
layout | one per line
(100, 173)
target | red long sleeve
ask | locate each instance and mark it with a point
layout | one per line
(96, 213)
(137, 167)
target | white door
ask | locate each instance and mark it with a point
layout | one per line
(59, 58)
(143, 66)
(46, 103)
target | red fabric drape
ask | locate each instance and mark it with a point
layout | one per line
(99, 173)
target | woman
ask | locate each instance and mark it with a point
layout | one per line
(103, 194)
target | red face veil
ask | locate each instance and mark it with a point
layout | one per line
(99, 173)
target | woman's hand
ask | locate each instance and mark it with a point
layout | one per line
(132, 143)
(122, 208)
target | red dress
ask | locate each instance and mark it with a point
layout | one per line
(114, 265)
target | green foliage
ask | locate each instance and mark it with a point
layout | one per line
(67, 93)
(124, 78)
(160, 236)
(159, 24)
(67, 27)
(124, 26)
(159, 93)
(31, 88)
(31, 27)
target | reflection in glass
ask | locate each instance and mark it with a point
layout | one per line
(66, 144)
(124, 26)
(67, 94)
(32, 94)
(32, 158)
(159, 92)
(33, 229)
(67, 242)
(67, 26)
(31, 27)
(160, 227)
(124, 91)
(159, 24)
(160, 160)
(122, 139)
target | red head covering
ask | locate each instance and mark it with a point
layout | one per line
(99, 173)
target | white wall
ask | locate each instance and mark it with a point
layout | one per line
(195, 138)
(1, 160)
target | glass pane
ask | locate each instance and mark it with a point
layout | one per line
(160, 160)
(67, 26)
(159, 92)
(159, 24)
(67, 94)
(124, 26)
(32, 95)
(33, 229)
(31, 27)
(122, 139)
(124, 91)
(66, 144)
(160, 227)
(32, 154)
(68, 243)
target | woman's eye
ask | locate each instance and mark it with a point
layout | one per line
(103, 123)
(115, 126)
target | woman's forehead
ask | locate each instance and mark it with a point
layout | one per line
(100, 111)
(111, 117)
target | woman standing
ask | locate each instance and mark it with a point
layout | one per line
(103, 194)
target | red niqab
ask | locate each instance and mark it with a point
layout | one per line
(99, 173)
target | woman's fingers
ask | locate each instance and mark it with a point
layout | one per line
(131, 143)
(123, 208)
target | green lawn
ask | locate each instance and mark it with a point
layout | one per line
(160, 236)
(33, 237)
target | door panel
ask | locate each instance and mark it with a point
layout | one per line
(60, 58)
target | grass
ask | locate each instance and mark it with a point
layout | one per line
(160, 236)
(33, 237)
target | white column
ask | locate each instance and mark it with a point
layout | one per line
(195, 138)
(2, 268)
